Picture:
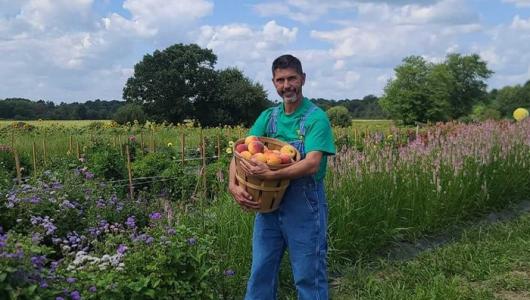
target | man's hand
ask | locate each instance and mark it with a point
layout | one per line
(256, 168)
(242, 197)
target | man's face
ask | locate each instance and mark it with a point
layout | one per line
(288, 84)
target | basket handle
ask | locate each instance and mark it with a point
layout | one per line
(262, 188)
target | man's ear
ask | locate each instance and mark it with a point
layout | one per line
(303, 78)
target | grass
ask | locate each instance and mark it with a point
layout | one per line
(487, 262)
(50, 123)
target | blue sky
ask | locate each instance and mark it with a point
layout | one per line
(77, 50)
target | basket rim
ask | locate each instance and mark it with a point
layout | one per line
(296, 159)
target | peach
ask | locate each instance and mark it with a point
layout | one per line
(289, 150)
(241, 147)
(273, 159)
(246, 155)
(286, 159)
(259, 157)
(255, 147)
(250, 139)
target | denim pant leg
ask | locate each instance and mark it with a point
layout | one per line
(268, 246)
(304, 220)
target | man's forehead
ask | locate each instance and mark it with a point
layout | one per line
(284, 72)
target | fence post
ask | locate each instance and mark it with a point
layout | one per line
(34, 160)
(131, 189)
(142, 145)
(77, 149)
(70, 146)
(17, 166)
(203, 164)
(44, 150)
(183, 147)
(218, 146)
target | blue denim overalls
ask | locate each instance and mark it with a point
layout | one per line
(298, 225)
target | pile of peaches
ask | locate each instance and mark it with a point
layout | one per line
(254, 149)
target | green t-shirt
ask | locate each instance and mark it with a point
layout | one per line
(318, 133)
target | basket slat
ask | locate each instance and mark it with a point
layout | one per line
(268, 193)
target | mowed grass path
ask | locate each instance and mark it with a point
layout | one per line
(487, 262)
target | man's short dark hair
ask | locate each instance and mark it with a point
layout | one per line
(287, 61)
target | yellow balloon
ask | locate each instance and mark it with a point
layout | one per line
(520, 114)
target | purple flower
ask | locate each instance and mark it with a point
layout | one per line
(3, 240)
(89, 175)
(75, 295)
(155, 216)
(191, 241)
(92, 289)
(171, 231)
(38, 261)
(229, 272)
(121, 249)
(71, 280)
(131, 222)
(132, 138)
(59, 298)
(149, 240)
(43, 284)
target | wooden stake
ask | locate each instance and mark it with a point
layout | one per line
(34, 160)
(204, 165)
(17, 166)
(13, 139)
(153, 146)
(142, 145)
(129, 170)
(70, 146)
(45, 155)
(182, 147)
(218, 146)
(77, 149)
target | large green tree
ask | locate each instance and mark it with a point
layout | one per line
(237, 100)
(467, 83)
(508, 98)
(419, 93)
(167, 83)
(429, 92)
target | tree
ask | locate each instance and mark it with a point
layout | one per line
(467, 83)
(129, 113)
(419, 93)
(339, 116)
(509, 98)
(168, 82)
(236, 101)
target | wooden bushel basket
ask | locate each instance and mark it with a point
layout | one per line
(268, 193)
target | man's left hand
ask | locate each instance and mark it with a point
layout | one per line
(256, 168)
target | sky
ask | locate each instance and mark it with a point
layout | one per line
(78, 50)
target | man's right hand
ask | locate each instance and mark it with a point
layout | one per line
(242, 197)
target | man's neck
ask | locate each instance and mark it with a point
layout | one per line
(290, 107)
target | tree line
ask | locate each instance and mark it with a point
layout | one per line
(181, 82)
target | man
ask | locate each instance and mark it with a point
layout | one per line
(300, 223)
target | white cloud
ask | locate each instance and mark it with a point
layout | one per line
(520, 3)
(304, 11)
(520, 24)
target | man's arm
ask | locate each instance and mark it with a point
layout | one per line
(242, 197)
(307, 166)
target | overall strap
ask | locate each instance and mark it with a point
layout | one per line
(272, 125)
(304, 118)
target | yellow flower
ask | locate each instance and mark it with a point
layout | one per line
(520, 114)
(169, 144)
(231, 144)
(389, 137)
(229, 150)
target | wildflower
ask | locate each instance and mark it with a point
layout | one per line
(131, 222)
(132, 138)
(89, 175)
(149, 240)
(71, 280)
(121, 249)
(92, 289)
(155, 216)
(231, 144)
(75, 295)
(170, 144)
(229, 272)
(229, 150)
(191, 241)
